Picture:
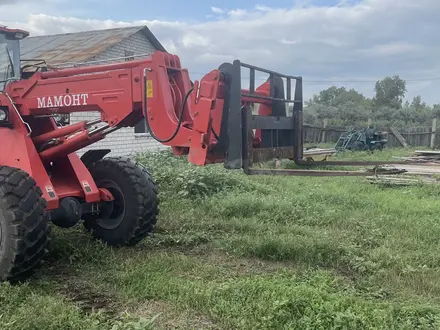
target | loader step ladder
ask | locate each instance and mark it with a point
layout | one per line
(345, 139)
(339, 146)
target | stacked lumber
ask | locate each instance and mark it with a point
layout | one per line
(319, 152)
(398, 180)
(421, 156)
(415, 174)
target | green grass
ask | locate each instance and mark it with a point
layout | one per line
(246, 252)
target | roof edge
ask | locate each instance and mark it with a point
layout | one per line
(152, 38)
(138, 27)
(147, 32)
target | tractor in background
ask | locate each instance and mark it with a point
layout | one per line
(361, 140)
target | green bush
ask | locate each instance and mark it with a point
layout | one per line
(176, 176)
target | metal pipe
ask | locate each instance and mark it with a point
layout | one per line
(110, 130)
(70, 145)
(98, 130)
(60, 132)
(44, 116)
(93, 122)
(254, 171)
(301, 162)
(250, 66)
(17, 112)
(254, 97)
(76, 142)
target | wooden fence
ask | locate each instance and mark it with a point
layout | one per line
(427, 137)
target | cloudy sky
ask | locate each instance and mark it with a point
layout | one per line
(345, 43)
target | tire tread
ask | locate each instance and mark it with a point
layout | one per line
(144, 191)
(25, 217)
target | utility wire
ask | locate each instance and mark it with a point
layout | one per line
(337, 81)
(367, 81)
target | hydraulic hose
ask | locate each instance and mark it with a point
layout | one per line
(179, 123)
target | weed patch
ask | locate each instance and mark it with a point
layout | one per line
(178, 178)
(248, 252)
(25, 308)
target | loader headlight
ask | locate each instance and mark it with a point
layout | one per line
(3, 115)
(5, 121)
(19, 35)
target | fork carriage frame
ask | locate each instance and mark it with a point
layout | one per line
(241, 123)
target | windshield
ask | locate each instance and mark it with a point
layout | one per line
(6, 68)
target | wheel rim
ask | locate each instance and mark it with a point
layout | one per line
(112, 213)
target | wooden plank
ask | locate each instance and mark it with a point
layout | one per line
(260, 155)
(324, 130)
(427, 152)
(399, 136)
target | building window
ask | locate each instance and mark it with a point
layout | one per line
(129, 55)
(141, 127)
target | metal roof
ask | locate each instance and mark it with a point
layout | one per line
(79, 46)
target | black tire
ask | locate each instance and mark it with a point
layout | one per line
(24, 225)
(133, 187)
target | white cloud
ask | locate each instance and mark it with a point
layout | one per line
(190, 40)
(288, 42)
(217, 10)
(238, 13)
(263, 8)
(392, 49)
(352, 41)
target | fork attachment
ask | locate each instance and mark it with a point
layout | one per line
(250, 135)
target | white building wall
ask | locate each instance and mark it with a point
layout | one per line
(123, 142)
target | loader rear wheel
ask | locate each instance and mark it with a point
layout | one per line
(133, 214)
(24, 225)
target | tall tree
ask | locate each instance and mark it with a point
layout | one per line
(342, 106)
(417, 103)
(390, 92)
(335, 96)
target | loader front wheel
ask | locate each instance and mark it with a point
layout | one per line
(132, 215)
(24, 225)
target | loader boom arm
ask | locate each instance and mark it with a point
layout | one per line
(201, 120)
(156, 88)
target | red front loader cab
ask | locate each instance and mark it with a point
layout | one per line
(42, 179)
(24, 225)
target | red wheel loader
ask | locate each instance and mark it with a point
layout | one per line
(43, 181)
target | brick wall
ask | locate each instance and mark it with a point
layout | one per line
(123, 142)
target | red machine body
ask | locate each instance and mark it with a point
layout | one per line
(179, 115)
